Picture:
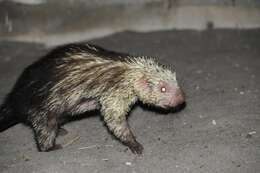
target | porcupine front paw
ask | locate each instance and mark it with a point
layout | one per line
(136, 148)
(55, 147)
(50, 148)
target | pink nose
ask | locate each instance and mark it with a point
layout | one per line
(178, 98)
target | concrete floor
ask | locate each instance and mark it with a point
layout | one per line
(218, 131)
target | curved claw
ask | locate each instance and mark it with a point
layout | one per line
(136, 148)
(55, 147)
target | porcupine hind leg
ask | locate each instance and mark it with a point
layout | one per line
(45, 127)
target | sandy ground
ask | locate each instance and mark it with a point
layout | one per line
(218, 131)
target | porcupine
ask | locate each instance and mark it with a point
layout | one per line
(77, 78)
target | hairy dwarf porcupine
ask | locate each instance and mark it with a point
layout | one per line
(77, 78)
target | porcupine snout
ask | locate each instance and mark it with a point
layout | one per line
(178, 97)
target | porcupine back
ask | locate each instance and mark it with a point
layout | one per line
(84, 67)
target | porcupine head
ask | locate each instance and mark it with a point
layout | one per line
(157, 85)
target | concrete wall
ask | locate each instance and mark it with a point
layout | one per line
(59, 21)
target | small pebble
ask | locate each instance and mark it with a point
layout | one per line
(252, 132)
(241, 92)
(128, 163)
(214, 122)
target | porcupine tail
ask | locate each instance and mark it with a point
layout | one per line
(7, 118)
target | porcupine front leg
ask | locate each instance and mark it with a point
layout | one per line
(116, 122)
(45, 127)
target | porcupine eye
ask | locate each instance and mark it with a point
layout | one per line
(163, 89)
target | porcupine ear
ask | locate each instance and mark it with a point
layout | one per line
(145, 84)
